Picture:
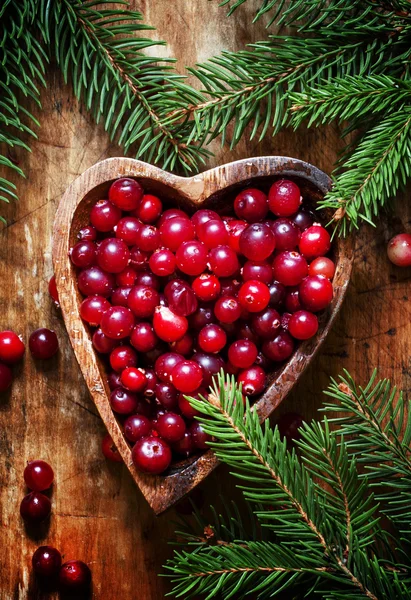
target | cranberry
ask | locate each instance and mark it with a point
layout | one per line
(399, 250)
(35, 508)
(303, 219)
(211, 365)
(109, 449)
(227, 309)
(127, 277)
(11, 347)
(257, 242)
(202, 317)
(148, 238)
(165, 364)
(88, 233)
(75, 576)
(277, 294)
(176, 231)
(138, 258)
(212, 233)
(251, 205)
(169, 326)
(171, 427)
(6, 377)
(133, 379)
(303, 325)
(199, 436)
(280, 348)
(180, 297)
(223, 261)
(254, 295)
(38, 475)
(258, 270)
(123, 357)
(93, 308)
(235, 229)
(143, 337)
(126, 193)
(253, 381)
(117, 322)
(136, 427)
(151, 455)
(242, 353)
(120, 296)
(204, 215)
(104, 215)
(83, 254)
(152, 381)
(113, 255)
(162, 262)
(316, 292)
(142, 300)
(191, 257)
(292, 300)
(289, 425)
(123, 402)
(148, 279)
(94, 281)
(245, 332)
(187, 376)
(114, 380)
(171, 213)
(287, 234)
(149, 209)
(102, 343)
(167, 395)
(183, 346)
(322, 266)
(315, 241)
(184, 405)
(266, 323)
(212, 338)
(262, 361)
(290, 268)
(206, 287)
(185, 445)
(127, 229)
(53, 291)
(46, 562)
(43, 343)
(284, 198)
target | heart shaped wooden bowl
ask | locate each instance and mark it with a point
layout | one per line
(215, 189)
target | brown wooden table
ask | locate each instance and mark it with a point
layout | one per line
(98, 513)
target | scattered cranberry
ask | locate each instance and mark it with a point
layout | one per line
(287, 234)
(165, 364)
(38, 475)
(185, 407)
(289, 425)
(211, 365)
(242, 353)
(251, 205)
(284, 198)
(185, 446)
(53, 291)
(322, 266)
(142, 300)
(316, 292)
(212, 233)
(180, 297)
(43, 343)
(109, 449)
(126, 193)
(191, 257)
(399, 250)
(35, 508)
(74, 576)
(292, 300)
(227, 309)
(187, 376)
(143, 337)
(102, 343)
(83, 254)
(266, 323)
(152, 455)
(315, 241)
(162, 262)
(202, 216)
(6, 377)
(303, 219)
(11, 347)
(167, 395)
(87, 233)
(176, 231)
(262, 271)
(184, 345)
(46, 562)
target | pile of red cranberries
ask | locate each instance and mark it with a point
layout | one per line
(172, 299)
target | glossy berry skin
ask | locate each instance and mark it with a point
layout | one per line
(148, 279)
(266, 323)
(316, 293)
(202, 317)
(253, 381)
(123, 357)
(399, 250)
(74, 576)
(167, 395)
(303, 325)
(322, 266)
(242, 353)
(212, 233)
(171, 213)
(180, 298)
(46, 562)
(104, 216)
(171, 427)
(227, 309)
(251, 205)
(284, 198)
(142, 300)
(123, 402)
(211, 365)
(202, 216)
(125, 193)
(288, 426)
(148, 238)
(303, 219)
(11, 347)
(43, 343)
(127, 230)
(133, 379)
(127, 277)
(136, 427)
(187, 376)
(152, 455)
(257, 242)
(199, 436)
(223, 261)
(143, 337)
(315, 241)
(38, 475)
(287, 234)
(254, 295)
(152, 381)
(280, 348)
(212, 338)
(292, 300)
(167, 325)
(117, 322)
(206, 287)
(119, 297)
(113, 380)
(277, 294)
(35, 508)
(109, 449)
(290, 268)
(83, 254)
(165, 365)
(95, 281)
(52, 287)
(87, 233)
(6, 377)
(175, 231)
(138, 258)
(93, 308)
(162, 262)
(149, 209)
(184, 446)
(235, 229)
(191, 257)
(102, 343)
(113, 255)
(262, 271)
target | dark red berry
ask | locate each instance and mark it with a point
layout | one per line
(104, 215)
(87, 233)
(142, 300)
(227, 309)
(149, 209)
(316, 292)
(133, 379)
(43, 343)
(184, 446)
(203, 215)
(93, 308)
(187, 376)
(53, 291)
(84, 254)
(123, 402)
(35, 508)
(38, 475)
(292, 300)
(254, 296)
(74, 576)
(242, 353)
(266, 323)
(303, 219)
(138, 258)
(279, 348)
(257, 242)
(171, 213)
(113, 255)
(287, 234)
(171, 427)
(123, 357)
(251, 205)
(290, 268)
(284, 198)
(303, 325)
(126, 193)
(6, 377)
(315, 241)
(162, 262)
(165, 364)
(191, 257)
(143, 337)
(176, 231)
(262, 271)
(277, 294)
(46, 562)
(167, 395)
(95, 281)
(11, 347)
(152, 455)
(199, 436)
(136, 427)
(127, 230)
(117, 322)
(212, 338)
(206, 287)
(109, 449)
(253, 381)
(211, 365)
(102, 343)
(127, 277)
(322, 266)
(180, 297)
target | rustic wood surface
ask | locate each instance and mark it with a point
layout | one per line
(98, 514)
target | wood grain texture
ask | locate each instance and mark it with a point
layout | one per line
(97, 514)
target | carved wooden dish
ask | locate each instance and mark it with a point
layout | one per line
(215, 189)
